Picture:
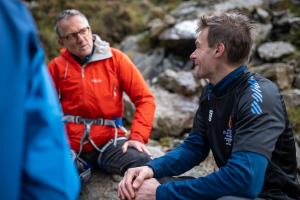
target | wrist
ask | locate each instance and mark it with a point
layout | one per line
(150, 171)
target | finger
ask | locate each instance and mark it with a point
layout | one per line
(139, 180)
(138, 147)
(123, 192)
(144, 148)
(128, 180)
(125, 147)
(120, 192)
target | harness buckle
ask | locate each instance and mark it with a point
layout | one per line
(100, 121)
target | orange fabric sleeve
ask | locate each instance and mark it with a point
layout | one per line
(140, 94)
(54, 73)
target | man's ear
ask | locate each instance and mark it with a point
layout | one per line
(220, 49)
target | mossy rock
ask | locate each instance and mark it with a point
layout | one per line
(294, 116)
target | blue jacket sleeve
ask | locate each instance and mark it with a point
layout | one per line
(33, 145)
(243, 176)
(189, 154)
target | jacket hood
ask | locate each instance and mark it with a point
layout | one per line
(102, 49)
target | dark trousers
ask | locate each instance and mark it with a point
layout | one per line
(114, 161)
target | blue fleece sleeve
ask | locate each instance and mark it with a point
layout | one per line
(35, 156)
(243, 175)
(189, 154)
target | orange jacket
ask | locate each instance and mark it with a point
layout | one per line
(95, 89)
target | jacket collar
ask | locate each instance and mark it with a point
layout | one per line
(102, 50)
(229, 80)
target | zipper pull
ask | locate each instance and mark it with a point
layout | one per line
(82, 71)
(115, 91)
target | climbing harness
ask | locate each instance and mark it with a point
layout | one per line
(83, 167)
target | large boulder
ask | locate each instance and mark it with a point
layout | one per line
(291, 97)
(182, 82)
(275, 50)
(174, 113)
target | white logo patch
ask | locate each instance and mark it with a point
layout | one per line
(210, 115)
(96, 80)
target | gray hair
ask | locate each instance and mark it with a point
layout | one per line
(65, 15)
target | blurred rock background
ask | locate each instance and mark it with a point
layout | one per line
(159, 37)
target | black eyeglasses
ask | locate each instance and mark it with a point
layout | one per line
(73, 36)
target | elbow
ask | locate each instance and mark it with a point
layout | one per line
(251, 186)
(254, 188)
(249, 174)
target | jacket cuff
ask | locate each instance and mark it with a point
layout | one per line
(161, 192)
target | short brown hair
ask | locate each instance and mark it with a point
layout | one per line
(231, 29)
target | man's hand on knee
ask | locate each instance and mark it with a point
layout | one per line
(132, 180)
(137, 145)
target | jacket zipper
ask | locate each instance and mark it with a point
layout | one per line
(82, 71)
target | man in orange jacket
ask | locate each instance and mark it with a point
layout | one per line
(90, 78)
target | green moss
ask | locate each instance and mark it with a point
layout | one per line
(294, 116)
(145, 42)
(112, 20)
(166, 142)
(288, 5)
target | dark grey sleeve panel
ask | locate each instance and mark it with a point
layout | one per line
(260, 118)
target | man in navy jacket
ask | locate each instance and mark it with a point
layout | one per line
(241, 118)
(35, 157)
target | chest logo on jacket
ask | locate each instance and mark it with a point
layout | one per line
(96, 80)
(228, 133)
(210, 115)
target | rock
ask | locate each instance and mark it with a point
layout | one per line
(263, 15)
(186, 9)
(297, 82)
(174, 113)
(249, 5)
(131, 43)
(291, 97)
(100, 186)
(275, 50)
(149, 63)
(181, 82)
(185, 30)
(260, 34)
(157, 25)
(280, 73)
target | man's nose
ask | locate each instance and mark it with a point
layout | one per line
(192, 56)
(79, 37)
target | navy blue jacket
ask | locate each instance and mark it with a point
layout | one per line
(243, 120)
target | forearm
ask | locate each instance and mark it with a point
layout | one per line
(194, 150)
(242, 176)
